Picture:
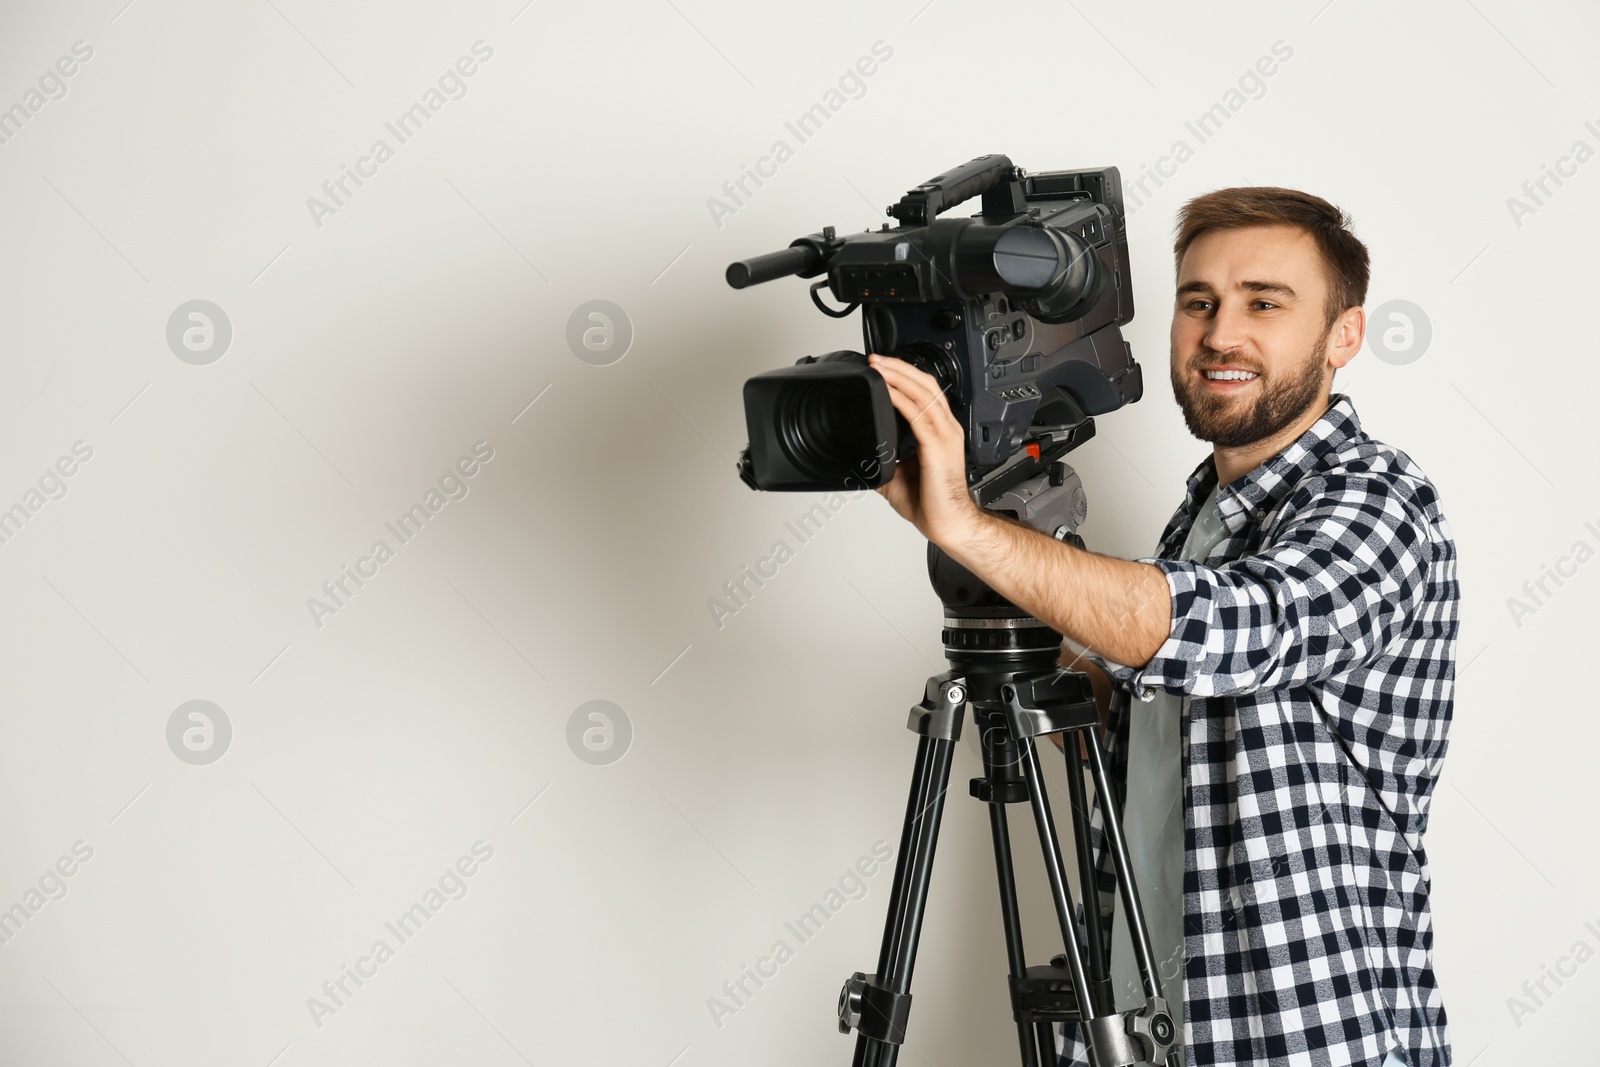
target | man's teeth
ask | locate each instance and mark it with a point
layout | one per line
(1230, 375)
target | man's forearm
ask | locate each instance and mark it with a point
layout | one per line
(1115, 608)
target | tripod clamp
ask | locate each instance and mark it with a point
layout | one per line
(869, 1008)
(1144, 1035)
(1154, 1029)
(943, 701)
(1036, 707)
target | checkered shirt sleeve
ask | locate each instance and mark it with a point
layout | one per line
(1346, 567)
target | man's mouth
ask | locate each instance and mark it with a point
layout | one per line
(1228, 378)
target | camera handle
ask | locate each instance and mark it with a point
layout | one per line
(938, 194)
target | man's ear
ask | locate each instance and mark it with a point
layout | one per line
(1344, 339)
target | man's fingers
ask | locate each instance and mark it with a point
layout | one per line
(904, 403)
(912, 409)
(918, 384)
(921, 394)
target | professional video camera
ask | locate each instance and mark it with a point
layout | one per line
(1015, 311)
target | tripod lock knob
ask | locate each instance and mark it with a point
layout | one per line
(867, 1006)
(850, 1002)
(1155, 1029)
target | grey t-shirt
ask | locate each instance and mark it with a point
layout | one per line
(1153, 821)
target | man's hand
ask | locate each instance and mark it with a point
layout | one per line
(929, 489)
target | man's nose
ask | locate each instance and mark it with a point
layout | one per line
(1228, 330)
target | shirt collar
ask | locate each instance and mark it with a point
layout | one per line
(1250, 496)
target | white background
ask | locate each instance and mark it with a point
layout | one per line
(368, 353)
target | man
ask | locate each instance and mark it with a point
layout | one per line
(1292, 648)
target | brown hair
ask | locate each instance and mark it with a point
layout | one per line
(1266, 205)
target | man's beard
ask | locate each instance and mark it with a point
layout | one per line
(1221, 421)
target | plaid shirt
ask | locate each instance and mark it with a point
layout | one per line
(1317, 646)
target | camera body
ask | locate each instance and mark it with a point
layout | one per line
(1016, 311)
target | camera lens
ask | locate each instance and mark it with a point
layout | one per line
(827, 427)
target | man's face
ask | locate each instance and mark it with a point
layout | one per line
(1249, 333)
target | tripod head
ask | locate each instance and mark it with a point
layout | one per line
(1034, 486)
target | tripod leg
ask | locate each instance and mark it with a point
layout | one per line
(1111, 823)
(1094, 926)
(1055, 868)
(909, 896)
(999, 765)
(1047, 1043)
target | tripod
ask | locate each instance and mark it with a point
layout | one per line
(1003, 666)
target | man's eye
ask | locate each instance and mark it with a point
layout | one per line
(1264, 303)
(1199, 305)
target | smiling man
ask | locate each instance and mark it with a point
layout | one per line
(1292, 646)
